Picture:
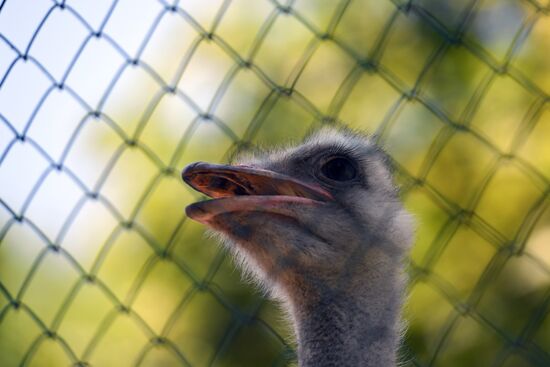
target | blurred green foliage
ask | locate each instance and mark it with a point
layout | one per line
(457, 92)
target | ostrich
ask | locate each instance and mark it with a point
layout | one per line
(320, 226)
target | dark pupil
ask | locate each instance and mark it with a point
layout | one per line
(339, 169)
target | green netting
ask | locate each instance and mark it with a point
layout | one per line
(98, 263)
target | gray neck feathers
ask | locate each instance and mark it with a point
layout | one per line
(358, 326)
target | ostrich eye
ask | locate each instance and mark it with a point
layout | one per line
(339, 169)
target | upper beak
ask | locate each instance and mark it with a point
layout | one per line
(219, 181)
(258, 189)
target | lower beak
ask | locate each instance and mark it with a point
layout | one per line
(225, 181)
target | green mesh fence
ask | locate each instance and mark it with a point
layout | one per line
(102, 103)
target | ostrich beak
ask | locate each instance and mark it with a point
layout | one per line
(244, 188)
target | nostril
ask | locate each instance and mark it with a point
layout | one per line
(225, 187)
(218, 183)
(240, 191)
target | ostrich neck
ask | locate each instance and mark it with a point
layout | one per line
(344, 330)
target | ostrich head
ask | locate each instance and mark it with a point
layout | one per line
(317, 224)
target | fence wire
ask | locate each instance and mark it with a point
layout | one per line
(474, 318)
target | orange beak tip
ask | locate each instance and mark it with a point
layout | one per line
(195, 212)
(187, 171)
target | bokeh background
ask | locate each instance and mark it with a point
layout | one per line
(103, 102)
